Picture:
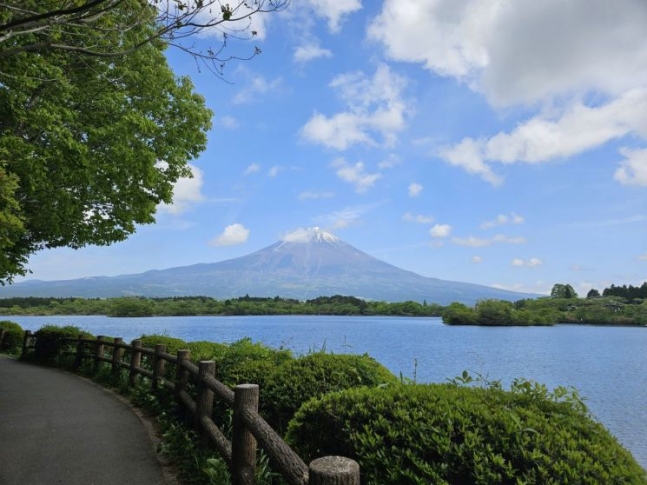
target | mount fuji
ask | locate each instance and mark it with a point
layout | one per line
(306, 264)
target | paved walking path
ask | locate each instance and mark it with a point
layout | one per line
(56, 428)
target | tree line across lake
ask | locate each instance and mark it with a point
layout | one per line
(594, 309)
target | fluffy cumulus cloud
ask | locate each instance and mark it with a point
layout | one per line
(415, 189)
(530, 263)
(186, 193)
(355, 174)
(308, 52)
(232, 235)
(440, 230)
(334, 10)
(580, 66)
(633, 170)
(376, 111)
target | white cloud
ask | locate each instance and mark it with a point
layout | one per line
(227, 122)
(477, 242)
(642, 257)
(415, 189)
(633, 170)
(334, 10)
(468, 155)
(391, 161)
(502, 219)
(530, 263)
(477, 259)
(345, 217)
(255, 87)
(315, 195)
(440, 230)
(274, 170)
(186, 193)
(232, 235)
(520, 51)
(253, 168)
(420, 219)
(375, 107)
(580, 66)
(308, 52)
(355, 174)
(545, 138)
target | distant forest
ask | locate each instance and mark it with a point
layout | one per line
(617, 305)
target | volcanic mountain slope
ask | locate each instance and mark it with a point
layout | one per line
(306, 264)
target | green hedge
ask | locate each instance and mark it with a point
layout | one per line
(13, 337)
(297, 381)
(444, 434)
(50, 346)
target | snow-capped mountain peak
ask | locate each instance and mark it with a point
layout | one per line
(310, 234)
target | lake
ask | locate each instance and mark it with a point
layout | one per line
(607, 365)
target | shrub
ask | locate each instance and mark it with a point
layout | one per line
(247, 362)
(50, 343)
(206, 350)
(314, 375)
(172, 344)
(445, 434)
(13, 337)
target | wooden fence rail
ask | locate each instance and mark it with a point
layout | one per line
(249, 428)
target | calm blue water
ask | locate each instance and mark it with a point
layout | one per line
(607, 365)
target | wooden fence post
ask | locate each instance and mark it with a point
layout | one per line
(78, 358)
(135, 361)
(117, 355)
(181, 374)
(333, 470)
(204, 399)
(98, 353)
(25, 343)
(243, 443)
(158, 365)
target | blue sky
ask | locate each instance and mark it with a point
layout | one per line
(499, 142)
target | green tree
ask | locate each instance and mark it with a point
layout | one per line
(90, 145)
(593, 293)
(563, 291)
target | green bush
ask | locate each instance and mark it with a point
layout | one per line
(13, 337)
(172, 344)
(50, 343)
(206, 350)
(445, 434)
(314, 375)
(247, 362)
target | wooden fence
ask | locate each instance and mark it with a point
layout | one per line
(249, 428)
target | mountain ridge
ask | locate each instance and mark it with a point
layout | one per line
(305, 264)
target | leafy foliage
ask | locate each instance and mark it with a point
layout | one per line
(13, 337)
(50, 343)
(97, 141)
(449, 434)
(315, 375)
(563, 291)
